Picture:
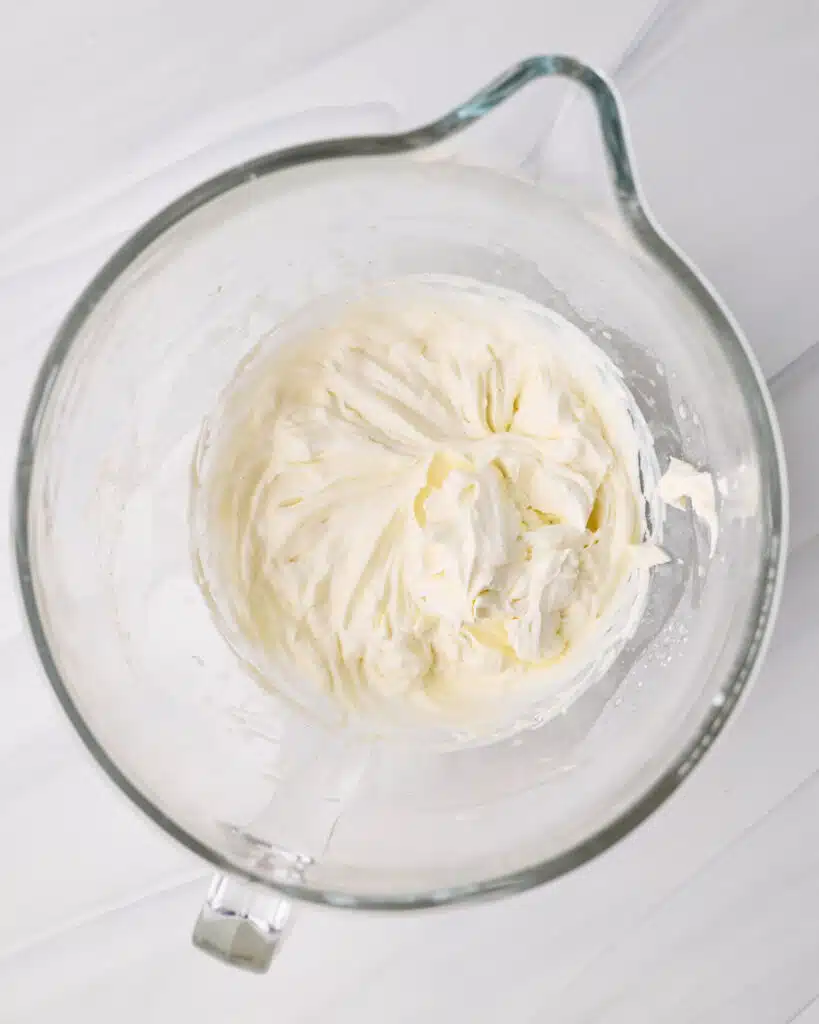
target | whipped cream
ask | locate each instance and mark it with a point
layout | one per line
(682, 486)
(423, 503)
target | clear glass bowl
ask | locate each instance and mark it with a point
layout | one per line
(101, 528)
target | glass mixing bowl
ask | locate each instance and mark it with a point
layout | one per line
(281, 805)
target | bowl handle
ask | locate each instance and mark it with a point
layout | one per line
(242, 924)
(610, 126)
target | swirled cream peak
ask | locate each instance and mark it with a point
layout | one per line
(422, 502)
